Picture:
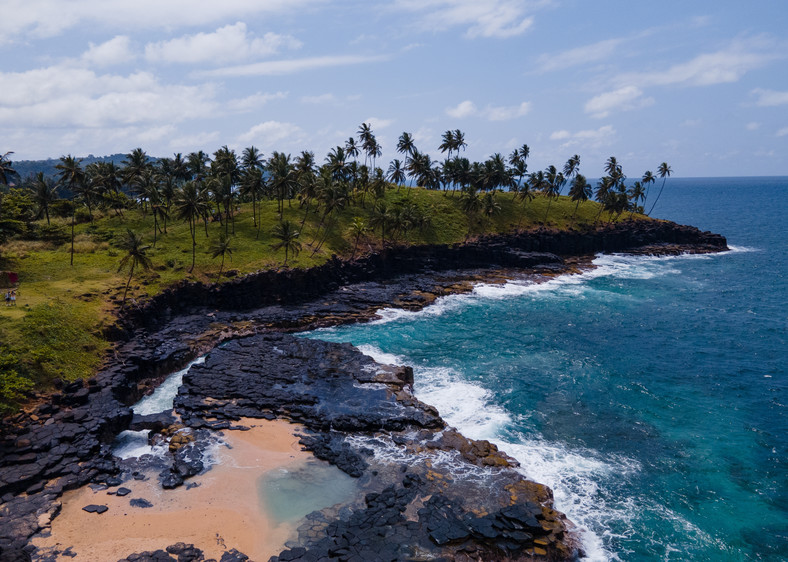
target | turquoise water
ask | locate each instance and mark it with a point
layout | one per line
(650, 393)
(292, 493)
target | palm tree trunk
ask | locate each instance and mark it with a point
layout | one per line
(549, 202)
(131, 272)
(193, 229)
(658, 196)
(73, 220)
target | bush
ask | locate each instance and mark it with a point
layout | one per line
(13, 386)
(52, 233)
(62, 208)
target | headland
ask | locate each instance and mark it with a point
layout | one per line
(414, 503)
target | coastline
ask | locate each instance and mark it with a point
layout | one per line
(160, 348)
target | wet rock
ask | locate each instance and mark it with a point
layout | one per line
(93, 508)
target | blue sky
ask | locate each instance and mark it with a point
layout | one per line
(702, 85)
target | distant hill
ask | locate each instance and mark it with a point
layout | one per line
(29, 168)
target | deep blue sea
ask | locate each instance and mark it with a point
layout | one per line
(651, 394)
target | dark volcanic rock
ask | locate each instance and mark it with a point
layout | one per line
(322, 385)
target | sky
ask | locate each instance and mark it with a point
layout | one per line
(702, 85)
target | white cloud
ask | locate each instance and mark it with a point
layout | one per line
(49, 18)
(589, 138)
(770, 98)
(196, 141)
(579, 55)
(753, 126)
(623, 99)
(376, 123)
(65, 96)
(254, 101)
(228, 43)
(319, 100)
(782, 132)
(280, 67)
(721, 67)
(116, 50)
(491, 18)
(463, 109)
(505, 113)
(274, 135)
(492, 113)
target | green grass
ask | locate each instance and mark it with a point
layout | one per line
(56, 329)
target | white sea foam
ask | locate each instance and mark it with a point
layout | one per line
(742, 249)
(130, 444)
(134, 444)
(163, 397)
(574, 476)
(441, 306)
(460, 403)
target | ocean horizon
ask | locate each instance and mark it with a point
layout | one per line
(650, 393)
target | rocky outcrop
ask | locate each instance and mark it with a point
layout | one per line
(433, 492)
(540, 248)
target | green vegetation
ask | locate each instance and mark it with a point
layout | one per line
(103, 236)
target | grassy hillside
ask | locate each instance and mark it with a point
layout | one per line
(55, 331)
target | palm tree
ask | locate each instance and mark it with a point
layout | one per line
(287, 235)
(71, 175)
(471, 203)
(351, 148)
(190, 204)
(579, 191)
(604, 187)
(664, 172)
(135, 167)
(333, 196)
(6, 170)
(380, 218)
(44, 193)
(636, 193)
(135, 256)
(251, 158)
(459, 141)
(197, 164)
(572, 167)
(253, 185)
(358, 227)
(282, 178)
(552, 188)
(396, 173)
(221, 247)
(490, 205)
(647, 179)
(448, 143)
(406, 145)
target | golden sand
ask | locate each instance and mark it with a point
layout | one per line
(222, 513)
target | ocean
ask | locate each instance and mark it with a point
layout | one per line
(650, 393)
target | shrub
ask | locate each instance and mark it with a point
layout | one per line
(13, 386)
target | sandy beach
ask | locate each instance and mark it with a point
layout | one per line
(221, 513)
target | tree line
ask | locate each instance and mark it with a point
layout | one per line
(199, 188)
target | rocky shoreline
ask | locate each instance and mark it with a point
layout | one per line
(65, 442)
